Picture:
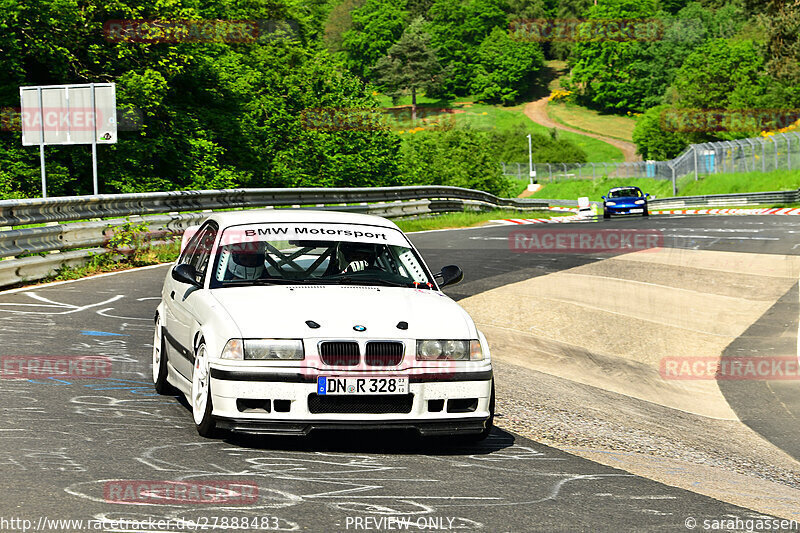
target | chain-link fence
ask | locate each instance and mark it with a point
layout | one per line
(761, 154)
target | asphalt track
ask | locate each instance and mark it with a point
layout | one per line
(62, 440)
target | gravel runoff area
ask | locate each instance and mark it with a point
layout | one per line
(602, 425)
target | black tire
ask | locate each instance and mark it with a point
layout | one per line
(606, 215)
(207, 426)
(646, 212)
(160, 382)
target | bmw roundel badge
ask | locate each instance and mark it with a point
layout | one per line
(360, 328)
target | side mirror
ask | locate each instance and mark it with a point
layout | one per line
(185, 274)
(603, 197)
(451, 274)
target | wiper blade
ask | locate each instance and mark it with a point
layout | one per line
(370, 281)
(265, 281)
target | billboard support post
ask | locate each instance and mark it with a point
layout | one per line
(94, 140)
(41, 148)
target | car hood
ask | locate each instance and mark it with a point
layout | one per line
(282, 312)
(626, 200)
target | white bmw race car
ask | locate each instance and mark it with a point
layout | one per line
(285, 321)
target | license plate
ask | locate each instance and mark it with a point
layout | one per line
(637, 210)
(346, 385)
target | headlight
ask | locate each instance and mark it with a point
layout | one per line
(611, 203)
(449, 350)
(233, 350)
(274, 349)
(639, 202)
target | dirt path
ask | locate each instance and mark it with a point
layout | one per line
(537, 112)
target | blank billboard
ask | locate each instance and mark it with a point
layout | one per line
(64, 114)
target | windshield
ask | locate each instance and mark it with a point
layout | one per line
(625, 193)
(317, 253)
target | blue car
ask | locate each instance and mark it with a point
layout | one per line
(625, 201)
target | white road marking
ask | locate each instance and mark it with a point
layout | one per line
(725, 238)
(70, 308)
(104, 312)
(105, 275)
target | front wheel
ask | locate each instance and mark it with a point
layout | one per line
(201, 394)
(646, 213)
(606, 214)
(160, 361)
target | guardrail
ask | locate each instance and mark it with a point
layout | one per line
(37, 210)
(65, 237)
(63, 241)
(717, 200)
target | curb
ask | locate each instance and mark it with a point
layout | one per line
(572, 218)
(569, 218)
(760, 211)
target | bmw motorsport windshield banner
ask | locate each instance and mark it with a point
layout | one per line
(313, 231)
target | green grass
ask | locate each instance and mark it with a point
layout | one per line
(781, 180)
(490, 118)
(581, 118)
(99, 264)
(760, 206)
(518, 186)
(573, 189)
(713, 184)
(468, 219)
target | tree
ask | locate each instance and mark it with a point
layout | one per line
(457, 28)
(607, 69)
(506, 67)
(568, 10)
(781, 19)
(338, 22)
(655, 142)
(419, 8)
(375, 27)
(411, 64)
(215, 114)
(722, 74)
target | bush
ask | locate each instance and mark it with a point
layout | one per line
(456, 157)
(652, 141)
(511, 146)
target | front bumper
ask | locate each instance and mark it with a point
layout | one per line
(444, 427)
(281, 403)
(626, 209)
